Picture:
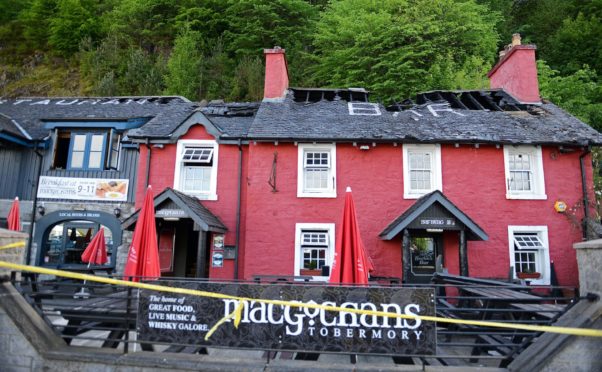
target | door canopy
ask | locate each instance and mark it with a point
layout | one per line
(434, 211)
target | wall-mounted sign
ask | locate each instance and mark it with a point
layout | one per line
(83, 188)
(437, 222)
(217, 259)
(170, 213)
(560, 206)
(167, 317)
(218, 241)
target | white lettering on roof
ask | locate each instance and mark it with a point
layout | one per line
(441, 107)
(43, 102)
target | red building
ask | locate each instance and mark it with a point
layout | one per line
(475, 181)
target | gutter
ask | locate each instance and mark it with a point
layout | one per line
(35, 202)
(238, 209)
(585, 226)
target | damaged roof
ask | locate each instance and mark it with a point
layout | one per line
(31, 113)
(230, 119)
(486, 116)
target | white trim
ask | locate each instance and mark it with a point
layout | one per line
(330, 252)
(182, 144)
(435, 151)
(539, 185)
(544, 259)
(331, 192)
(353, 106)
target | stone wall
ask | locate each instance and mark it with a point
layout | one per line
(16, 353)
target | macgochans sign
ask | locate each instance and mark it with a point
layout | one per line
(83, 188)
(184, 319)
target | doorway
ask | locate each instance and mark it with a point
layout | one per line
(183, 251)
(424, 250)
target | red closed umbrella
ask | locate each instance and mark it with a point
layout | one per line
(143, 257)
(14, 216)
(351, 264)
(96, 251)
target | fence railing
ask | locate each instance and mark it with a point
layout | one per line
(103, 315)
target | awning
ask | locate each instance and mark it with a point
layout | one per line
(434, 211)
(174, 204)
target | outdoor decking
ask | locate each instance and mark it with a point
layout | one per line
(106, 318)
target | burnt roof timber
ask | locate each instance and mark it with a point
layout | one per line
(457, 101)
(474, 102)
(491, 102)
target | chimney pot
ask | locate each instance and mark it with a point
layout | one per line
(516, 39)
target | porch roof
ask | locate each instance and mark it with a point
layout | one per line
(474, 231)
(192, 207)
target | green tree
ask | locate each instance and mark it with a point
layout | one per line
(73, 21)
(184, 66)
(397, 47)
(36, 22)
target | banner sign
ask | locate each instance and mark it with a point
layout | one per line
(186, 319)
(83, 188)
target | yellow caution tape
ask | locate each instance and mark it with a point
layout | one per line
(236, 313)
(13, 245)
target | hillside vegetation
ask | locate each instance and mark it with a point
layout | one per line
(212, 49)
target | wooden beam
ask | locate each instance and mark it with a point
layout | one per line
(463, 254)
(405, 246)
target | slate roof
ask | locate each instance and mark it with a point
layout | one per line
(430, 122)
(29, 113)
(474, 231)
(7, 125)
(232, 120)
(193, 206)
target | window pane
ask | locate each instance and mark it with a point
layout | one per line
(198, 154)
(77, 159)
(79, 142)
(197, 179)
(317, 159)
(96, 142)
(316, 179)
(95, 160)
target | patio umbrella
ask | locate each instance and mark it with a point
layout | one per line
(96, 252)
(14, 216)
(351, 264)
(143, 257)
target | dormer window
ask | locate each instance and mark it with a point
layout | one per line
(363, 108)
(81, 150)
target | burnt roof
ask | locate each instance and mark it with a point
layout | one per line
(435, 117)
(29, 113)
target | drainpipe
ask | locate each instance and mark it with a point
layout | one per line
(584, 190)
(148, 159)
(238, 206)
(35, 201)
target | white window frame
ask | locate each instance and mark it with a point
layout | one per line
(182, 145)
(538, 191)
(331, 190)
(436, 184)
(543, 256)
(299, 228)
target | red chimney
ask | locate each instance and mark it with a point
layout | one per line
(516, 72)
(276, 74)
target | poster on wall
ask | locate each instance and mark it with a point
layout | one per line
(83, 188)
(186, 319)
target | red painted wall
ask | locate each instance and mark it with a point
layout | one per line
(473, 179)
(162, 172)
(517, 74)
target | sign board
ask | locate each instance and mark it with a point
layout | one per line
(185, 319)
(170, 213)
(83, 188)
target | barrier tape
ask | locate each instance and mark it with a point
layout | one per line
(236, 313)
(13, 245)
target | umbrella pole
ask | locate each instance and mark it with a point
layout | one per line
(82, 292)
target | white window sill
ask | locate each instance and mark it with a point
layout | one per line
(314, 278)
(544, 281)
(328, 194)
(526, 196)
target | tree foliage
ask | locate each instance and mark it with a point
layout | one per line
(399, 47)
(212, 49)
